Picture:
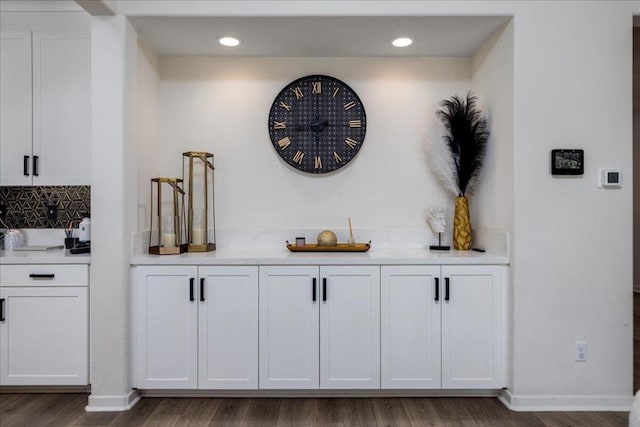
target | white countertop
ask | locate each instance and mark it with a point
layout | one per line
(56, 256)
(285, 257)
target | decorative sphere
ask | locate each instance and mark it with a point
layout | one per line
(327, 238)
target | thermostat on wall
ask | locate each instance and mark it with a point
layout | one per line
(609, 178)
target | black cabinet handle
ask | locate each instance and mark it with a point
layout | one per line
(2, 310)
(25, 166)
(191, 297)
(324, 289)
(437, 298)
(202, 289)
(314, 289)
(35, 165)
(42, 276)
(446, 289)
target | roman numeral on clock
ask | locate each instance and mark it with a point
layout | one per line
(349, 105)
(279, 125)
(355, 123)
(335, 92)
(298, 92)
(285, 106)
(317, 87)
(318, 162)
(284, 142)
(337, 157)
(351, 142)
(297, 158)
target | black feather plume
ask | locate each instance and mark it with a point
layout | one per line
(467, 138)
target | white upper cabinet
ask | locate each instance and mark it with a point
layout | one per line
(46, 109)
(61, 110)
(15, 108)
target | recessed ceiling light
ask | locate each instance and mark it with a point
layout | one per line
(401, 42)
(229, 41)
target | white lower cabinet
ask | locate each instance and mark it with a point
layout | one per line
(319, 327)
(443, 327)
(196, 327)
(44, 325)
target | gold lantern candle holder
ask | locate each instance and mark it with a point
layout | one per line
(167, 230)
(197, 170)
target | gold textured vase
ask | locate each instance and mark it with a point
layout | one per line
(462, 225)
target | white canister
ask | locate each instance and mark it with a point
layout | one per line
(13, 239)
(84, 230)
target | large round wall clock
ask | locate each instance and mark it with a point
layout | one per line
(317, 124)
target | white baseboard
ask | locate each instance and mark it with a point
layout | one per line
(112, 403)
(565, 403)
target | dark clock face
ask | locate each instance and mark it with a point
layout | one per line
(317, 124)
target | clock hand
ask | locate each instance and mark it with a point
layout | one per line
(319, 125)
(316, 126)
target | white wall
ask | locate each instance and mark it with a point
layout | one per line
(221, 105)
(492, 83)
(572, 241)
(572, 244)
(492, 205)
(149, 128)
(113, 201)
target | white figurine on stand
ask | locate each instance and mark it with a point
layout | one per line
(437, 222)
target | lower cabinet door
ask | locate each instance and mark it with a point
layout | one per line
(44, 336)
(473, 327)
(165, 312)
(410, 327)
(228, 327)
(350, 327)
(289, 325)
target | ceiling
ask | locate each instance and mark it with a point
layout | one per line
(326, 36)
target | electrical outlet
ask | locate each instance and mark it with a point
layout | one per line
(52, 212)
(581, 351)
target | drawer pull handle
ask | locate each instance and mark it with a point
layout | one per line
(35, 165)
(202, 289)
(191, 297)
(42, 276)
(2, 319)
(437, 298)
(324, 289)
(314, 289)
(446, 289)
(25, 166)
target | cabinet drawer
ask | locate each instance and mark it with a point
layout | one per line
(44, 275)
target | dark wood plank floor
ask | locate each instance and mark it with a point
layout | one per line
(35, 410)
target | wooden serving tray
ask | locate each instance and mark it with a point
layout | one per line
(340, 247)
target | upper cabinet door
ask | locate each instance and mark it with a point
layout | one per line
(473, 326)
(228, 327)
(61, 110)
(15, 108)
(410, 327)
(350, 327)
(289, 322)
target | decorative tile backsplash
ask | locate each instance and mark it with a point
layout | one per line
(30, 207)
